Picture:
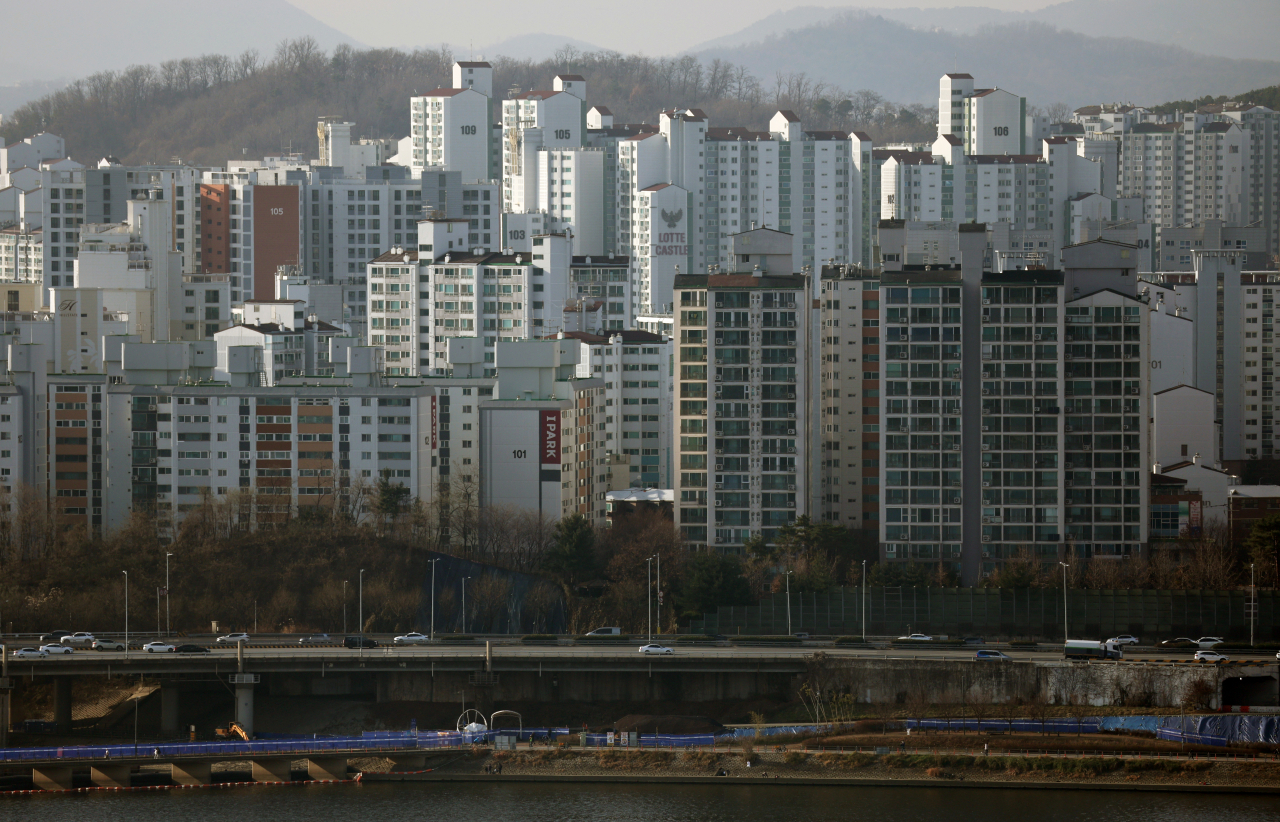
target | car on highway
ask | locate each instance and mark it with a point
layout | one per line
(316, 639)
(231, 639)
(108, 645)
(191, 649)
(55, 648)
(29, 653)
(661, 650)
(1206, 642)
(54, 636)
(915, 638)
(605, 632)
(81, 639)
(1124, 639)
(1210, 656)
(998, 656)
(360, 642)
(974, 640)
(1179, 642)
(412, 638)
(158, 648)
(800, 635)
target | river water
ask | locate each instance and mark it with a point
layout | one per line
(559, 802)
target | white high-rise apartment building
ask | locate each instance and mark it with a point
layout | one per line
(986, 120)
(533, 121)
(452, 128)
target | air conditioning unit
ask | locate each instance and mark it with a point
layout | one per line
(716, 540)
(719, 451)
(1133, 390)
(719, 305)
(986, 485)
(1067, 483)
(717, 503)
(793, 359)
(1069, 465)
(719, 485)
(1067, 357)
(986, 302)
(791, 488)
(718, 378)
(986, 391)
(791, 395)
(986, 538)
(985, 447)
(986, 355)
(1086, 448)
(986, 553)
(903, 320)
(151, 408)
(719, 324)
(986, 428)
(1068, 428)
(719, 340)
(791, 431)
(791, 416)
(719, 361)
(986, 520)
(955, 448)
(1124, 448)
(902, 355)
(1035, 337)
(955, 500)
(719, 466)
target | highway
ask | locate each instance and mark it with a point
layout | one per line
(508, 651)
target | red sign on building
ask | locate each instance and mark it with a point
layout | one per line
(549, 437)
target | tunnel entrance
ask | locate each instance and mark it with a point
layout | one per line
(1250, 690)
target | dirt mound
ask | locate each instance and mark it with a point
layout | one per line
(649, 724)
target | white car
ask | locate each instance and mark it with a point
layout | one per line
(83, 639)
(108, 645)
(655, 649)
(55, 648)
(915, 638)
(1210, 656)
(29, 653)
(158, 648)
(1124, 639)
(413, 638)
(231, 639)
(1206, 642)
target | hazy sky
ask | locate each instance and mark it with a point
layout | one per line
(652, 27)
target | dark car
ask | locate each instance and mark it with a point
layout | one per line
(316, 639)
(54, 636)
(974, 640)
(191, 649)
(360, 642)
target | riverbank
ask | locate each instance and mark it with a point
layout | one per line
(854, 769)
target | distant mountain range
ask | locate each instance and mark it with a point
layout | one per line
(1047, 65)
(1224, 28)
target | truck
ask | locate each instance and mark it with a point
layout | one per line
(1092, 649)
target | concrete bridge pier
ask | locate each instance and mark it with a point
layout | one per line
(328, 767)
(191, 773)
(62, 703)
(52, 777)
(271, 770)
(169, 703)
(244, 708)
(111, 776)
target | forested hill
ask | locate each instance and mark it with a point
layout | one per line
(207, 110)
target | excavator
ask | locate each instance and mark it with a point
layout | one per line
(232, 731)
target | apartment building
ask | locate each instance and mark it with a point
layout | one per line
(552, 119)
(743, 405)
(849, 412)
(983, 120)
(452, 128)
(1013, 405)
(600, 295)
(636, 369)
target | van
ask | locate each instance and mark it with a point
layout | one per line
(360, 642)
(606, 632)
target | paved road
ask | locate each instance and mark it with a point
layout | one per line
(455, 651)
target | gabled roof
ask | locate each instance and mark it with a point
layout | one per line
(602, 110)
(445, 92)
(1182, 385)
(571, 77)
(959, 76)
(789, 115)
(474, 64)
(953, 140)
(657, 187)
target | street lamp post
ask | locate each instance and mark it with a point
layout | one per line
(432, 631)
(1253, 604)
(648, 603)
(126, 613)
(464, 603)
(1065, 634)
(360, 612)
(658, 557)
(788, 575)
(344, 607)
(166, 594)
(864, 600)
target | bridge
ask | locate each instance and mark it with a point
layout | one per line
(495, 673)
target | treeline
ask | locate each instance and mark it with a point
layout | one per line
(207, 110)
(1269, 97)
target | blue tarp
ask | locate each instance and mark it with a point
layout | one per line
(1223, 729)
